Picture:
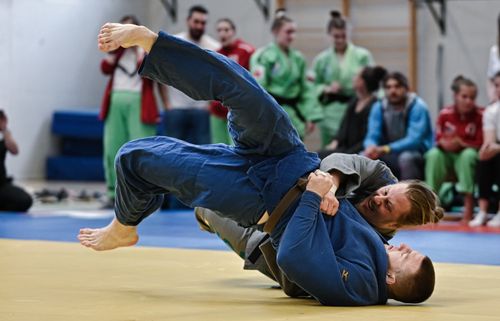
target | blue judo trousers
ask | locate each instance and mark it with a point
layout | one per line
(240, 182)
(338, 260)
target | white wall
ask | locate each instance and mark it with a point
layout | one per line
(250, 23)
(470, 32)
(49, 60)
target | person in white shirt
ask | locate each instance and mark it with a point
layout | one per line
(186, 118)
(494, 64)
(488, 166)
(128, 108)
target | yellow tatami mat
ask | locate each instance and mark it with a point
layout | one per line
(62, 281)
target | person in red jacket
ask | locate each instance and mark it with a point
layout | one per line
(459, 136)
(128, 108)
(239, 51)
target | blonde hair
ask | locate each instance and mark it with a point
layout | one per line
(425, 206)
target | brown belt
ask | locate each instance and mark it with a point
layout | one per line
(283, 205)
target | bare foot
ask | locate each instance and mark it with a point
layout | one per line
(110, 237)
(115, 35)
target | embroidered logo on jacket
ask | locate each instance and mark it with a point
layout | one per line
(345, 275)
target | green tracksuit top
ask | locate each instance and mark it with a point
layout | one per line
(327, 68)
(284, 76)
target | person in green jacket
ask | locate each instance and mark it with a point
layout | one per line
(281, 70)
(333, 71)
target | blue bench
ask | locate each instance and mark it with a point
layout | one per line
(80, 135)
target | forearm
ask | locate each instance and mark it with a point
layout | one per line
(163, 90)
(406, 144)
(357, 172)
(10, 143)
(305, 254)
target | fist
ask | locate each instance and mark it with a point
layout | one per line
(320, 183)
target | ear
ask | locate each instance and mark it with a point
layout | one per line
(390, 278)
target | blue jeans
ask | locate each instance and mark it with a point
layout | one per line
(405, 165)
(191, 125)
(240, 182)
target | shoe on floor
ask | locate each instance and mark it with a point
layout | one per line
(495, 221)
(478, 220)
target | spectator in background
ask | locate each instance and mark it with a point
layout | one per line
(333, 72)
(494, 64)
(399, 129)
(488, 167)
(459, 135)
(239, 51)
(12, 198)
(281, 70)
(355, 122)
(128, 109)
(186, 118)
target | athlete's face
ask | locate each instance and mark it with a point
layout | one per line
(465, 99)
(286, 34)
(404, 258)
(339, 37)
(225, 33)
(196, 25)
(386, 206)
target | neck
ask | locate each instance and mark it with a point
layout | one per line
(399, 105)
(229, 44)
(362, 94)
(390, 292)
(360, 209)
(341, 51)
(283, 47)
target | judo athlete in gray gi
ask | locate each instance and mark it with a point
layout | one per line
(338, 260)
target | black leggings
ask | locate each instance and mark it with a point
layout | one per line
(487, 174)
(13, 198)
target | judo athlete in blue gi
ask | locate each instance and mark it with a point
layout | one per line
(338, 260)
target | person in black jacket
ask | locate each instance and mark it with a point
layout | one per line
(12, 198)
(353, 128)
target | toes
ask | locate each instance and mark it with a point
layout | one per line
(85, 237)
(86, 231)
(108, 46)
(107, 25)
(104, 38)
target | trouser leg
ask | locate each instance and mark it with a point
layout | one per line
(211, 176)
(465, 165)
(199, 126)
(243, 241)
(391, 160)
(436, 168)
(13, 198)
(258, 125)
(218, 130)
(411, 165)
(137, 129)
(115, 135)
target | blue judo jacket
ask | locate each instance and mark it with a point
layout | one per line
(339, 260)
